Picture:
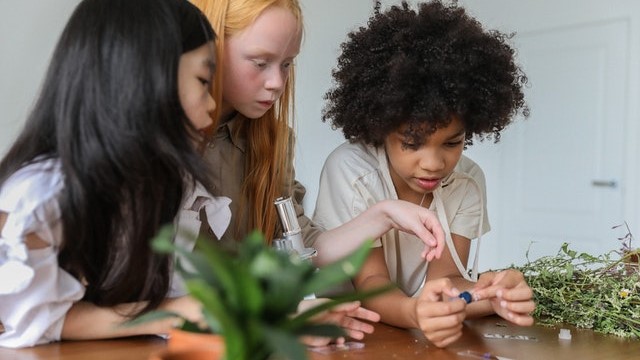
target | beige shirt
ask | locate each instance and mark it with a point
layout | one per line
(356, 176)
(226, 156)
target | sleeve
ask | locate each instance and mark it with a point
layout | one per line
(36, 293)
(310, 230)
(337, 201)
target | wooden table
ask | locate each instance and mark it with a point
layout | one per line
(388, 343)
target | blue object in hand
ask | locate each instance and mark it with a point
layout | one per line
(465, 296)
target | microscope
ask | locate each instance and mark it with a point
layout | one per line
(291, 241)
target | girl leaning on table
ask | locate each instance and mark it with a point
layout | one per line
(412, 89)
(108, 155)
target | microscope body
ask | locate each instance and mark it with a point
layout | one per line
(291, 240)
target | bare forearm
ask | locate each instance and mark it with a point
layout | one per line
(395, 307)
(376, 221)
(341, 241)
(86, 321)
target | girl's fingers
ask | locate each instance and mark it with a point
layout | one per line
(443, 341)
(443, 331)
(437, 290)
(431, 233)
(346, 307)
(520, 307)
(351, 324)
(520, 293)
(365, 314)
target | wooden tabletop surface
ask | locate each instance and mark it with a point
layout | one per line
(490, 335)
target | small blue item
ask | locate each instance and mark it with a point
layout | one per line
(465, 296)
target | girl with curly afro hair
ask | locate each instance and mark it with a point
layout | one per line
(412, 89)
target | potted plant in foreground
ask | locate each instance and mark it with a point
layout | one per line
(249, 294)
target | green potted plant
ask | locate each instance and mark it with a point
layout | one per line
(250, 293)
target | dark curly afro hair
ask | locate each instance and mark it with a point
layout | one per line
(420, 69)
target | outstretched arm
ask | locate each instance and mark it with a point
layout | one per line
(86, 321)
(377, 220)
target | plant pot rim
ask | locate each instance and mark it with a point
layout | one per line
(181, 339)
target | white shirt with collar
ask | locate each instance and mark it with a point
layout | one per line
(35, 293)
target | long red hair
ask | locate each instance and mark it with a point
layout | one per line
(268, 167)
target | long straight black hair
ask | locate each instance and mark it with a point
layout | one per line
(109, 110)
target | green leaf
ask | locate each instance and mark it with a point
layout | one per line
(193, 327)
(251, 296)
(322, 330)
(285, 343)
(587, 257)
(235, 346)
(215, 262)
(569, 269)
(566, 250)
(202, 263)
(162, 243)
(252, 245)
(265, 263)
(196, 266)
(151, 316)
(282, 293)
(339, 271)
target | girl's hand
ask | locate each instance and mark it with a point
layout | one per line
(423, 223)
(509, 294)
(347, 315)
(440, 312)
(188, 307)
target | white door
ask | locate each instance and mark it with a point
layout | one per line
(559, 176)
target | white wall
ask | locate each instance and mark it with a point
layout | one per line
(28, 34)
(327, 23)
(565, 14)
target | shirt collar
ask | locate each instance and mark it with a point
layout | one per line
(226, 131)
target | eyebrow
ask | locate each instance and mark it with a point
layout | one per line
(459, 133)
(258, 51)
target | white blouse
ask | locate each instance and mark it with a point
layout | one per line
(35, 293)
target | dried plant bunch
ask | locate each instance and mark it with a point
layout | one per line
(594, 292)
